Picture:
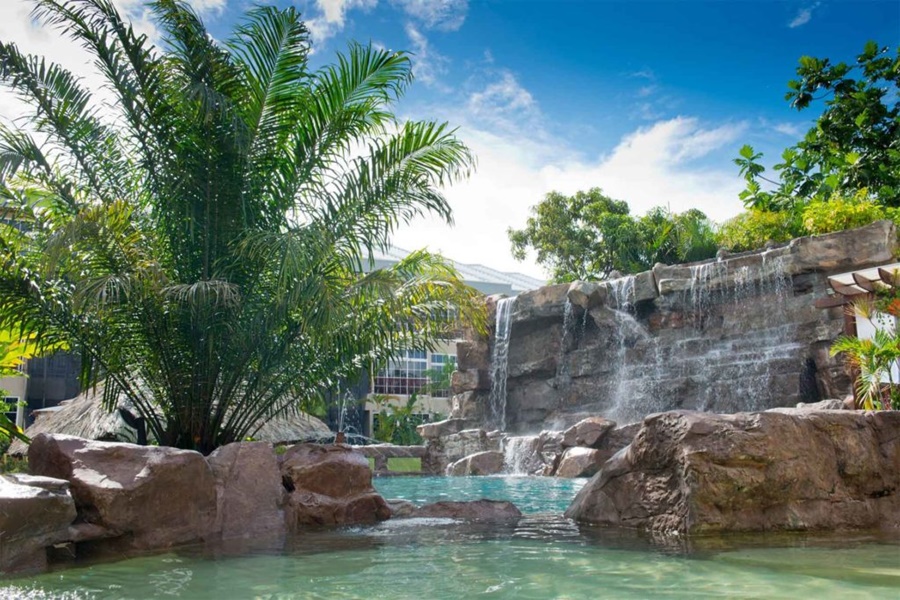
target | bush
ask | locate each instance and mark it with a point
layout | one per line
(840, 213)
(753, 229)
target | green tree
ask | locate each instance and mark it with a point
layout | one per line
(589, 235)
(205, 246)
(854, 145)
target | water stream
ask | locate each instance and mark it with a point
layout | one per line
(500, 362)
(659, 370)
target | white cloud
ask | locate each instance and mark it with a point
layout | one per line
(332, 16)
(446, 15)
(803, 16)
(652, 166)
(505, 105)
(428, 64)
(789, 129)
(207, 7)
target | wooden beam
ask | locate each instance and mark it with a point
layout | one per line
(844, 290)
(889, 278)
(864, 283)
(832, 301)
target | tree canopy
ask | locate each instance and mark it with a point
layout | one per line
(854, 145)
(205, 243)
(589, 235)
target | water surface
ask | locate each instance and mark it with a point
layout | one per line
(542, 556)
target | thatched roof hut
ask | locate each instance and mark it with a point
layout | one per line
(84, 416)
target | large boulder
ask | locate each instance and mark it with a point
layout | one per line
(249, 491)
(579, 462)
(586, 294)
(588, 432)
(35, 512)
(329, 485)
(476, 510)
(481, 463)
(152, 497)
(688, 472)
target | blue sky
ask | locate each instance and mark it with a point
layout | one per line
(648, 100)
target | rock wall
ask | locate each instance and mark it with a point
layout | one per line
(738, 333)
(781, 470)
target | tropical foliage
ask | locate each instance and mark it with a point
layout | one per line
(13, 353)
(845, 172)
(875, 360)
(855, 143)
(204, 238)
(589, 235)
(396, 424)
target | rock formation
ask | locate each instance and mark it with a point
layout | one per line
(790, 469)
(329, 485)
(733, 334)
(124, 498)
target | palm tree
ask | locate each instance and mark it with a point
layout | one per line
(874, 361)
(206, 246)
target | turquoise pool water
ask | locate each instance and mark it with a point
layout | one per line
(543, 556)
(530, 494)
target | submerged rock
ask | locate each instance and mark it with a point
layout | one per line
(688, 472)
(476, 510)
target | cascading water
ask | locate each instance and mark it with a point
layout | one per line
(520, 455)
(500, 362)
(569, 337)
(692, 363)
(621, 293)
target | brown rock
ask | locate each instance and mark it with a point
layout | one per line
(586, 294)
(443, 428)
(548, 301)
(160, 496)
(35, 512)
(469, 380)
(249, 490)
(579, 462)
(330, 485)
(477, 510)
(469, 406)
(588, 432)
(401, 509)
(692, 472)
(473, 354)
(481, 463)
(844, 250)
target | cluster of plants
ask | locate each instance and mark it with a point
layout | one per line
(203, 233)
(875, 360)
(844, 173)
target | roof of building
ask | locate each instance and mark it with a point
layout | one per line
(480, 277)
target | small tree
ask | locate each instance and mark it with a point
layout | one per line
(589, 235)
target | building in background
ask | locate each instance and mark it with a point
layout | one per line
(426, 373)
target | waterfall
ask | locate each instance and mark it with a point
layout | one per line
(663, 370)
(621, 293)
(569, 332)
(520, 455)
(500, 362)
